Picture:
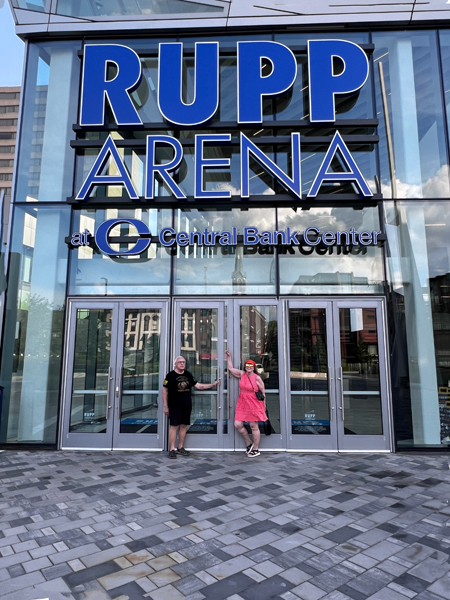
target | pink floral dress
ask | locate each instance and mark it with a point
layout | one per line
(249, 408)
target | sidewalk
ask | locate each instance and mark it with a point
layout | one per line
(122, 525)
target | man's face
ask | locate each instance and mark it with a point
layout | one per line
(180, 364)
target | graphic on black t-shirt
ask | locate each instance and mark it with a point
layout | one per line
(179, 386)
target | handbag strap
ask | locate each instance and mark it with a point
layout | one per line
(250, 382)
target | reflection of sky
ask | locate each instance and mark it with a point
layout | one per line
(11, 47)
(367, 266)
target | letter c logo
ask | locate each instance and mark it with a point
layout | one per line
(103, 242)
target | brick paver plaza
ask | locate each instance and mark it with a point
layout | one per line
(102, 525)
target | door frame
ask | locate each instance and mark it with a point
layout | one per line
(200, 441)
(276, 441)
(355, 443)
(312, 442)
(113, 440)
(315, 443)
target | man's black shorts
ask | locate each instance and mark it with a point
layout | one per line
(180, 413)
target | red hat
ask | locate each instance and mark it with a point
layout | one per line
(250, 362)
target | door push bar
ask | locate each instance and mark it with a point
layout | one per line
(341, 380)
(119, 392)
(330, 394)
(108, 396)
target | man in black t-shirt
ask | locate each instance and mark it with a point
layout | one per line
(178, 403)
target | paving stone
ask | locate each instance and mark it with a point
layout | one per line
(235, 584)
(90, 574)
(295, 576)
(441, 587)
(307, 591)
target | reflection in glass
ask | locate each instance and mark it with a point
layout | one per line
(310, 409)
(360, 371)
(33, 329)
(199, 346)
(140, 371)
(418, 273)
(45, 169)
(205, 269)
(94, 273)
(336, 269)
(90, 381)
(259, 342)
(413, 96)
(147, 8)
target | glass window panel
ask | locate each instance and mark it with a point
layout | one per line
(90, 380)
(226, 179)
(95, 273)
(34, 326)
(224, 269)
(409, 107)
(199, 348)
(360, 371)
(312, 157)
(147, 8)
(259, 342)
(301, 39)
(140, 371)
(134, 160)
(419, 277)
(34, 5)
(45, 169)
(310, 408)
(336, 269)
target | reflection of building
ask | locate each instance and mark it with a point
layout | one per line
(199, 336)
(239, 276)
(140, 327)
(253, 328)
(9, 112)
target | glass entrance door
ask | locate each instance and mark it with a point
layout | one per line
(249, 328)
(113, 376)
(258, 335)
(200, 336)
(338, 376)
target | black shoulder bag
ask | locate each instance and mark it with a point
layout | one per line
(259, 395)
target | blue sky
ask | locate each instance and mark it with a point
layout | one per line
(11, 49)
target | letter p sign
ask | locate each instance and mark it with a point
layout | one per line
(324, 83)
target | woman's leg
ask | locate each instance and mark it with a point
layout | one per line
(256, 434)
(240, 427)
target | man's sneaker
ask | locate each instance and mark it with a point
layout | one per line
(183, 452)
(172, 454)
(253, 453)
(249, 449)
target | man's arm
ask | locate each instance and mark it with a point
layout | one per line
(206, 386)
(165, 396)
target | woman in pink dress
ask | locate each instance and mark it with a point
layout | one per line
(248, 408)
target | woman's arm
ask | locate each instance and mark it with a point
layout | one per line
(260, 384)
(261, 388)
(236, 372)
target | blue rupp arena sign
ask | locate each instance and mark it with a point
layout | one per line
(324, 82)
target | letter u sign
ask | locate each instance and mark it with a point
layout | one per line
(264, 69)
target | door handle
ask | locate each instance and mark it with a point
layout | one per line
(108, 393)
(217, 390)
(330, 395)
(119, 392)
(341, 386)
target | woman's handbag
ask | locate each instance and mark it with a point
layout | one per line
(259, 395)
(268, 429)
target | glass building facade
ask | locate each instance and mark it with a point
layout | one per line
(352, 340)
